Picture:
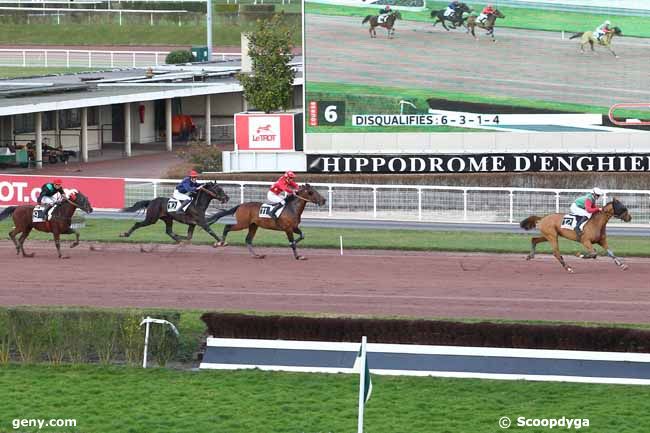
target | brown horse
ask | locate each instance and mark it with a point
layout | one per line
(388, 23)
(247, 216)
(472, 23)
(605, 41)
(594, 232)
(58, 225)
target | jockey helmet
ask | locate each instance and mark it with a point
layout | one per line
(290, 174)
(57, 182)
(597, 191)
(607, 23)
(193, 173)
(387, 7)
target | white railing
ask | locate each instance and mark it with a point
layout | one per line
(413, 203)
(89, 58)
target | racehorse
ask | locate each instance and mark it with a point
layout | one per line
(195, 214)
(605, 41)
(247, 216)
(58, 225)
(457, 19)
(594, 232)
(388, 23)
(488, 25)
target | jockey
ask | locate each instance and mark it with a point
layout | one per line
(487, 11)
(186, 190)
(383, 13)
(51, 194)
(278, 193)
(451, 9)
(602, 30)
(584, 207)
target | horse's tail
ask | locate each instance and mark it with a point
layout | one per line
(530, 222)
(8, 211)
(221, 214)
(366, 19)
(576, 35)
(142, 204)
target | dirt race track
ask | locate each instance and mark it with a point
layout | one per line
(360, 282)
(522, 63)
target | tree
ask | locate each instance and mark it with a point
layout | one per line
(269, 86)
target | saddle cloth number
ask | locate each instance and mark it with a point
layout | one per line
(38, 216)
(569, 222)
(265, 211)
(173, 205)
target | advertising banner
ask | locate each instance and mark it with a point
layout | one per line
(103, 193)
(262, 131)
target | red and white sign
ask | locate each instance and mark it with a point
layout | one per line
(102, 192)
(264, 131)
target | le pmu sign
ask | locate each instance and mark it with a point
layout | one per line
(102, 192)
(261, 131)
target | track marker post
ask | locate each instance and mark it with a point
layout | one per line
(147, 321)
(341, 241)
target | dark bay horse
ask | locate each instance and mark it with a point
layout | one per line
(458, 19)
(389, 23)
(58, 225)
(594, 232)
(247, 217)
(195, 215)
(605, 41)
(472, 23)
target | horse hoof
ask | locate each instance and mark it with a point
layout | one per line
(64, 257)
(569, 270)
(301, 258)
(259, 256)
(124, 235)
(74, 245)
(624, 267)
(529, 257)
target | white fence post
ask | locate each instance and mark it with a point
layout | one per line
(510, 219)
(557, 202)
(24, 58)
(241, 193)
(67, 58)
(374, 202)
(464, 205)
(45, 57)
(90, 59)
(155, 189)
(419, 204)
(134, 59)
(329, 200)
(112, 59)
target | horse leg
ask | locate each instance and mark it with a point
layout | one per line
(21, 242)
(57, 242)
(190, 231)
(533, 245)
(12, 235)
(556, 253)
(71, 231)
(591, 43)
(301, 236)
(610, 253)
(252, 229)
(207, 228)
(292, 244)
(144, 223)
(169, 224)
(611, 51)
(591, 252)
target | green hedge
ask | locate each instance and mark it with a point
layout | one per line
(400, 331)
(179, 56)
(32, 335)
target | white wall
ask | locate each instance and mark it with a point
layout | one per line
(143, 132)
(479, 142)
(264, 161)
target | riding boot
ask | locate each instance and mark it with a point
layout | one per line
(46, 209)
(274, 209)
(579, 220)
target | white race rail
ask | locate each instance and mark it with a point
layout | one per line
(413, 202)
(89, 58)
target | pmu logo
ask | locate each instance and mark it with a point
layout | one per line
(264, 133)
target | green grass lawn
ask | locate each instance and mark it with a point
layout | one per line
(515, 17)
(12, 72)
(130, 400)
(108, 230)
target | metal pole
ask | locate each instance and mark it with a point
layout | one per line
(208, 120)
(127, 129)
(84, 134)
(209, 29)
(146, 345)
(38, 158)
(362, 385)
(168, 124)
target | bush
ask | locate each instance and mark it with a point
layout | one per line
(202, 157)
(179, 56)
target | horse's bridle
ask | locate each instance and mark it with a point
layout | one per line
(213, 195)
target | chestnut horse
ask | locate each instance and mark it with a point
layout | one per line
(195, 215)
(58, 225)
(605, 41)
(388, 23)
(247, 216)
(594, 232)
(472, 23)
